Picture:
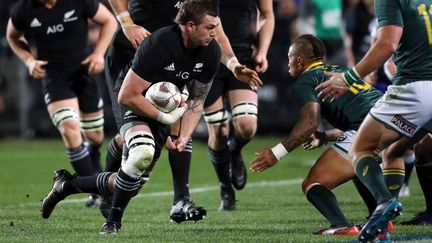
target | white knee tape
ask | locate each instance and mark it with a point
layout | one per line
(92, 124)
(244, 109)
(141, 147)
(64, 114)
(216, 117)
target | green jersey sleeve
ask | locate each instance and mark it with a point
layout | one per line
(388, 12)
(303, 89)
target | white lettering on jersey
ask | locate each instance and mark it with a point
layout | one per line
(35, 23)
(54, 29)
(183, 75)
(170, 67)
(178, 4)
(68, 16)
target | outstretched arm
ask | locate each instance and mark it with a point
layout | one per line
(229, 59)
(134, 33)
(339, 83)
(306, 125)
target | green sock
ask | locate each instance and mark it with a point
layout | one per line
(394, 179)
(325, 201)
(369, 172)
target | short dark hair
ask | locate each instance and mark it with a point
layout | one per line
(195, 11)
(310, 47)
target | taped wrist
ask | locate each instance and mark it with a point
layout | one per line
(125, 20)
(279, 151)
(232, 63)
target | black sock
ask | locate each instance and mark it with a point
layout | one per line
(424, 174)
(96, 184)
(366, 195)
(236, 144)
(394, 179)
(126, 187)
(80, 160)
(325, 201)
(409, 162)
(113, 156)
(180, 166)
(369, 173)
(221, 164)
(95, 154)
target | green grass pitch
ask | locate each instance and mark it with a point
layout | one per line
(271, 208)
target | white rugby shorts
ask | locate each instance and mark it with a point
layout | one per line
(406, 108)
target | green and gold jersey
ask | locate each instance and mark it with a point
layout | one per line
(345, 113)
(414, 51)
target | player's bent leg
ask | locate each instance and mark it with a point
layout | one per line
(329, 171)
(141, 148)
(244, 111)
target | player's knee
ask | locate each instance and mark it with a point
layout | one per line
(141, 147)
(93, 128)
(217, 122)
(66, 120)
(245, 128)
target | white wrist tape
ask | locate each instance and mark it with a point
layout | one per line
(232, 63)
(122, 14)
(279, 151)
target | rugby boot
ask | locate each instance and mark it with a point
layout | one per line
(185, 210)
(109, 228)
(56, 194)
(378, 222)
(338, 230)
(423, 218)
(238, 172)
(228, 200)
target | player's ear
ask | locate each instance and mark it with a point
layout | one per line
(190, 25)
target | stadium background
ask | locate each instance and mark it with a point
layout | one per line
(23, 113)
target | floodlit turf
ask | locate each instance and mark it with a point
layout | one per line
(271, 208)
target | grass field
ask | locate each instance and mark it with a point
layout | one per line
(271, 208)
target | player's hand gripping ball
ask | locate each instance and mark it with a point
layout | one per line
(165, 96)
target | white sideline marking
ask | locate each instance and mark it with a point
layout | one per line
(170, 193)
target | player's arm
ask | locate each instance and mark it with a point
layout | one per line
(130, 96)
(134, 33)
(19, 46)
(108, 24)
(195, 106)
(229, 59)
(307, 124)
(266, 23)
(385, 45)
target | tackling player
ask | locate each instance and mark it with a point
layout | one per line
(403, 115)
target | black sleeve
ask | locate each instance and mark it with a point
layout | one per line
(148, 59)
(91, 8)
(212, 61)
(18, 16)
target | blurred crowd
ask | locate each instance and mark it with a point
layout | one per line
(344, 26)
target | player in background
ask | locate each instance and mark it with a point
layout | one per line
(403, 116)
(225, 152)
(59, 31)
(193, 56)
(138, 19)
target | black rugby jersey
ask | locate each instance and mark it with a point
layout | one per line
(163, 57)
(236, 16)
(60, 34)
(155, 14)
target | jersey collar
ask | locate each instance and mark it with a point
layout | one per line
(314, 64)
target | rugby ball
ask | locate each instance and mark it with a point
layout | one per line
(165, 96)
